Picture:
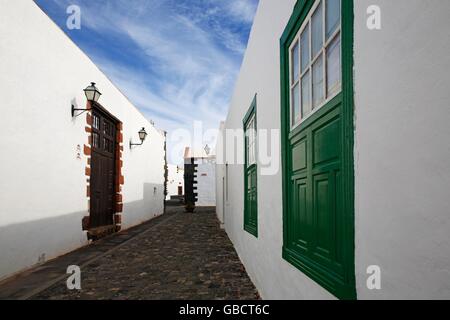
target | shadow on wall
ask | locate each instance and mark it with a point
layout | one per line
(25, 245)
(151, 206)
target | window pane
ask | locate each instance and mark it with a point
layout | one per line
(306, 94)
(95, 140)
(317, 30)
(249, 124)
(96, 122)
(304, 48)
(247, 146)
(296, 116)
(318, 84)
(254, 149)
(334, 66)
(295, 63)
(251, 141)
(253, 146)
(108, 128)
(333, 16)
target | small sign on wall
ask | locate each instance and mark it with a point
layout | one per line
(78, 152)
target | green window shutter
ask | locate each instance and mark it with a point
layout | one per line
(318, 168)
(250, 172)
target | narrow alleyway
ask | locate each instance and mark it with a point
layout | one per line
(176, 256)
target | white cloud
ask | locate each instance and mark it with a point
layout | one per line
(243, 9)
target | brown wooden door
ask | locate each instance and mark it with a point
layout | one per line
(102, 170)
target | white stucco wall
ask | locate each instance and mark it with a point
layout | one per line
(220, 175)
(205, 178)
(401, 153)
(260, 74)
(175, 180)
(43, 185)
(402, 117)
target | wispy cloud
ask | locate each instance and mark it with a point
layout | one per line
(242, 9)
(176, 60)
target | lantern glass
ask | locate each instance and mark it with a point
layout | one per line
(96, 95)
(92, 93)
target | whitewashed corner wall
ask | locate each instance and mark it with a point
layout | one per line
(402, 117)
(43, 186)
(220, 175)
(205, 178)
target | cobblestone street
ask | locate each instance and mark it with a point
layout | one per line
(179, 256)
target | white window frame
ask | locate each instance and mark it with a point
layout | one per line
(323, 51)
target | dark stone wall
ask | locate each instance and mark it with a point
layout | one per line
(190, 170)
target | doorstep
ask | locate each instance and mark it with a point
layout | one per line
(101, 232)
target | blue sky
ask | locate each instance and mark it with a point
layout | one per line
(176, 60)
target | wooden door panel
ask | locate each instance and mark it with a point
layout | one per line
(251, 198)
(299, 156)
(323, 222)
(102, 170)
(300, 234)
(327, 142)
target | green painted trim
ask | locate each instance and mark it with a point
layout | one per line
(347, 37)
(252, 229)
(345, 289)
(250, 112)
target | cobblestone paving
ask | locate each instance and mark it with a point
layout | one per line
(185, 257)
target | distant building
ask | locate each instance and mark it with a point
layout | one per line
(200, 178)
(175, 181)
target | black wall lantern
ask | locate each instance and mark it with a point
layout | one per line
(92, 95)
(142, 136)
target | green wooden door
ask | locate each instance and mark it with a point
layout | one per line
(317, 127)
(315, 213)
(251, 205)
(251, 172)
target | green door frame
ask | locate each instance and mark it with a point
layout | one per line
(301, 10)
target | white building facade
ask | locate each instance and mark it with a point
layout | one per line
(355, 100)
(175, 181)
(205, 182)
(66, 178)
(200, 178)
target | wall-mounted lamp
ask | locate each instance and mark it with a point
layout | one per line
(142, 136)
(207, 150)
(92, 95)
